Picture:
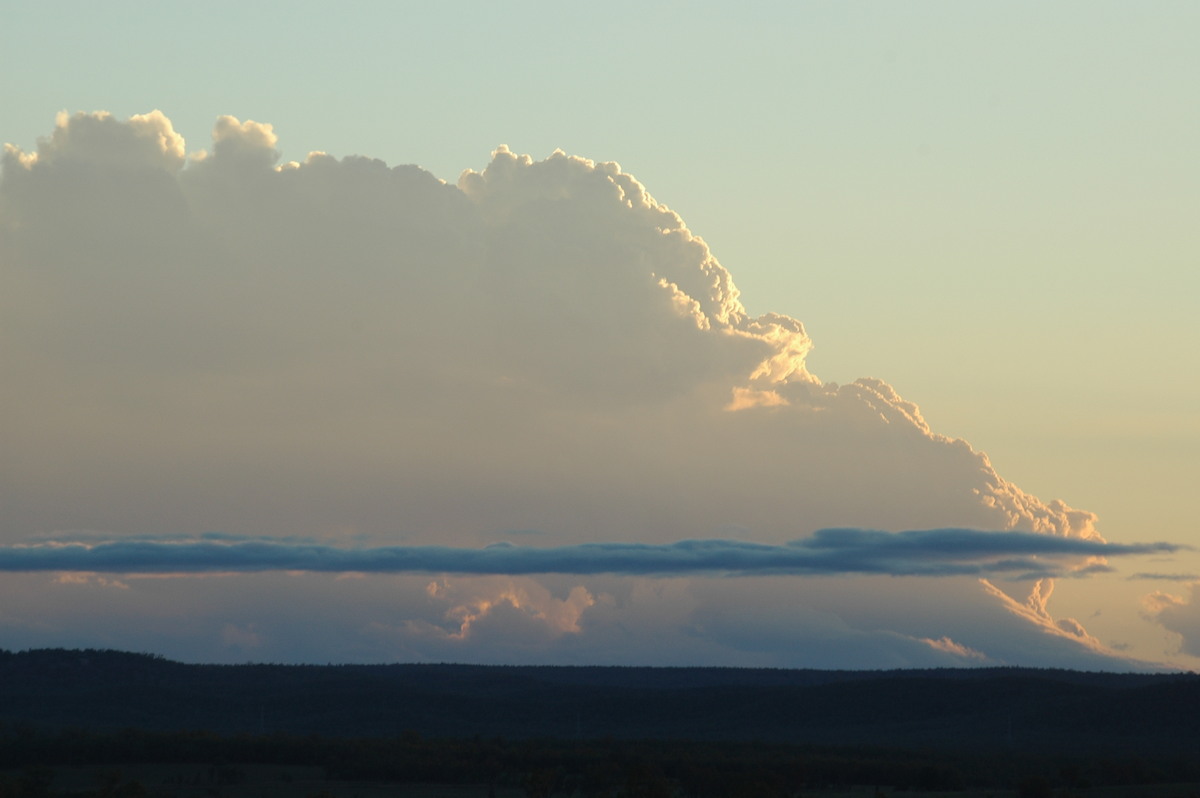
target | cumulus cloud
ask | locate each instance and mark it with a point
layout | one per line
(99, 141)
(396, 367)
(1178, 615)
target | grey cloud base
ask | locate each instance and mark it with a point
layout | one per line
(366, 355)
(937, 552)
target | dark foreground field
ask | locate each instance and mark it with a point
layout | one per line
(115, 724)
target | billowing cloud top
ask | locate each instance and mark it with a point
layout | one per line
(351, 351)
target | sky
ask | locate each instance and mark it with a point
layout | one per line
(851, 335)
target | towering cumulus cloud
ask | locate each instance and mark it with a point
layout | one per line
(344, 355)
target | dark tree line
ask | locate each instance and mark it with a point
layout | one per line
(1022, 709)
(688, 732)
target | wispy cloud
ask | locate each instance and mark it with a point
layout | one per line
(932, 552)
(1183, 577)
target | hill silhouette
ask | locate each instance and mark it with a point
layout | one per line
(1014, 708)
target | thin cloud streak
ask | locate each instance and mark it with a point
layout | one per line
(933, 552)
(1142, 575)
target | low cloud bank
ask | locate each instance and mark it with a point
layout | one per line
(935, 552)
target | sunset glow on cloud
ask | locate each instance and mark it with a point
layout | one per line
(362, 376)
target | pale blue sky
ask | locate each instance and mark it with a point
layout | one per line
(992, 206)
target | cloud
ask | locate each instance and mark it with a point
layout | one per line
(1178, 615)
(1165, 577)
(935, 552)
(957, 649)
(91, 141)
(350, 366)
(343, 344)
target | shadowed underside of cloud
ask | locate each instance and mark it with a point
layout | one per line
(937, 552)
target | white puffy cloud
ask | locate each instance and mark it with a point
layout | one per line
(98, 141)
(354, 352)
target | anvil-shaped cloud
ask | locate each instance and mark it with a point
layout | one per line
(366, 356)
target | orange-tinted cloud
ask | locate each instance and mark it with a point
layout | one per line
(222, 342)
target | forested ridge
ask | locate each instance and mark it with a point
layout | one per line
(603, 731)
(99, 690)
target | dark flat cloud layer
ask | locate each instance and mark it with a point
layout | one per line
(937, 552)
